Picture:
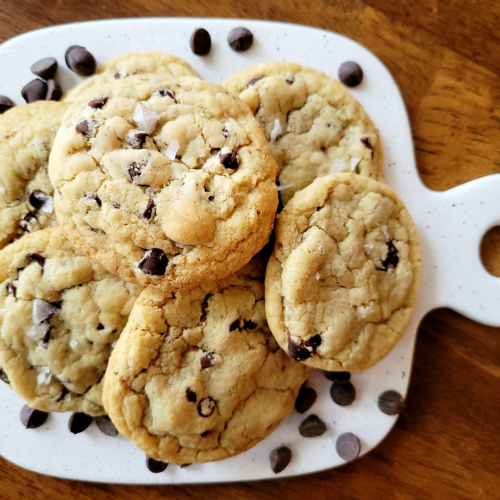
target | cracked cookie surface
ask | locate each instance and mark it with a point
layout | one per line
(60, 314)
(125, 65)
(344, 276)
(169, 184)
(196, 375)
(26, 136)
(314, 126)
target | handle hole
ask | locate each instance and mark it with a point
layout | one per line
(490, 251)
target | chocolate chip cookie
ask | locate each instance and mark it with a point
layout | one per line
(169, 184)
(26, 137)
(60, 314)
(313, 124)
(196, 375)
(343, 279)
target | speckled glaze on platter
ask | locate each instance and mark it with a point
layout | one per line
(451, 225)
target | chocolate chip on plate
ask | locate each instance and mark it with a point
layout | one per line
(80, 60)
(339, 377)
(350, 73)
(78, 422)
(390, 402)
(5, 103)
(280, 457)
(343, 394)
(348, 446)
(36, 90)
(305, 399)
(105, 425)
(45, 68)
(240, 39)
(155, 465)
(3, 376)
(154, 262)
(31, 418)
(312, 426)
(200, 42)
(54, 90)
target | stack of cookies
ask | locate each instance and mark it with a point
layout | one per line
(132, 282)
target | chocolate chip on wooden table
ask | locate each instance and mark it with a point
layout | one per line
(200, 42)
(154, 262)
(54, 90)
(5, 103)
(98, 103)
(343, 394)
(280, 457)
(36, 90)
(229, 160)
(78, 422)
(240, 39)
(31, 418)
(155, 465)
(105, 425)
(45, 68)
(305, 399)
(3, 376)
(339, 377)
(390, 402)
(303, 350)
(350, 73)
(348, 446)
(80, 60)
(312, 426)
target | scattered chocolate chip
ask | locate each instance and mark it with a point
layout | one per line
(135, 170)
(290, 80)
(305, 399)
(11, 289)
(36, 90)
(339, 377)
(367, 144)
(164, 92)
(86, 127)
(3, 376)
(54, 90)
(63, 394)
(303, 350)
(31, 418)
(207, 360)
(348, 446)
(206, 407)
(38, 198)
(343, 394)
(200, 42)
(98, 103)
(148, 212)
(204, 434)
(45, 68)
(191, 395)
(27, 220)
(80, 60)
(249, 325)
(312, 426)
(100, 326)
(154, 262)
(155, 465)
(229, 160)
(94, 197)
(240, 39)
(184, 465)
(392, 259)
(234, 325)
(210, 198)
(138, 140)
(78, 422)
(39, 259)
(105, 425)
(390, 402)
(225, 132)
(350, 73)
(280, 457)
(5, 103)
(253, 81)
(45, 341)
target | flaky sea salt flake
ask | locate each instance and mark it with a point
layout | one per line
(277, 131)
(172, 149)
(145, 118)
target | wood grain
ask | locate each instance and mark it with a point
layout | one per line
(444, 57)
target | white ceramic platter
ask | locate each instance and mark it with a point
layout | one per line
(451, 226)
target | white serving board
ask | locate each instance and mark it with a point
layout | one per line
(451, 226)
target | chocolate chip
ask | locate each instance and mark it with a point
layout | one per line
(38, 198)
(63, 394)
(210, 198)
(312, 426)
(100, 326)
(240, 39)
(3, 376)
(200, 42)
(11, 289)
(154, 262)
(348, 446)
(39, 259)
(253, 81)
(390, 402)
(86, 127)
(31, 418)
(148, 212)
(367, 143)
(54, 90)
(106, 426)
(36, 90)
(184, 465)
(155, 465)
(229, 160)
(135, 170)
(94, 197)
(305, 399)
(225, 132)
(392, 258)
(339, 377)
(303, 350)
(78, 422)
(290, 80)
(350, 73)
(45, 341)
(343, 394)
(98, 103)
(204, 434)
(207, 360)
(249, 325)
(80, 60)
(45, 68)
(206, 407)
(164, 92)
(191, 395)
(27, 220)
(138, 140)
(234, 325)
(5, 103)
(280, 457)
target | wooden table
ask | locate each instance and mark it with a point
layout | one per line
(445, 57)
